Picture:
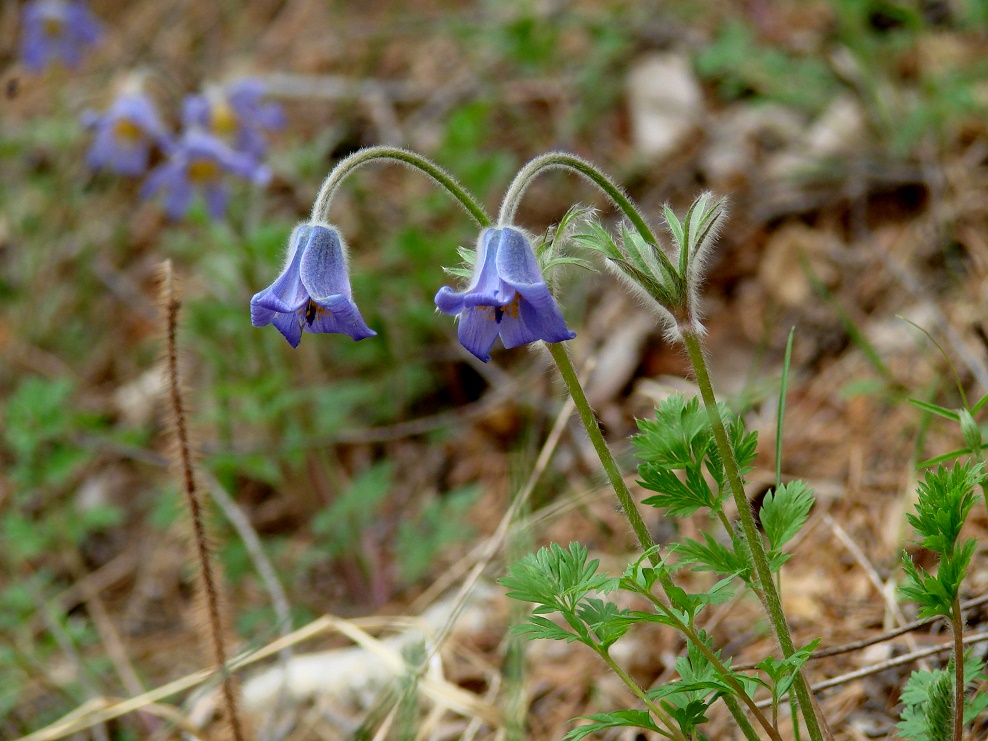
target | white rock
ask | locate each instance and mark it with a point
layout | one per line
(665, 103)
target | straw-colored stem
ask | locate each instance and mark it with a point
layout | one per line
(210, 588)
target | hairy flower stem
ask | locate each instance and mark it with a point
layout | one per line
(320, 209)
(957, 624)
(589, 419)
(210, 588)
(773, 601)
(740, 718)
(562, 160)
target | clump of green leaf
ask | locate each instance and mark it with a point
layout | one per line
(680, 439)
(680, 461)
(561, 581)
(945, 498)
(928, 698)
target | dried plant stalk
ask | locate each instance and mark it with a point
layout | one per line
(182, 458)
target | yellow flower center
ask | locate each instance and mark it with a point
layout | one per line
(127, 131)
(223, 118)
(52, 27)
(203, 170)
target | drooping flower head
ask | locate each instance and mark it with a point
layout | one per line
(199, 161)
(313, 291)
(237, 113)
(124, 135)
(507, 296)
(56, 29)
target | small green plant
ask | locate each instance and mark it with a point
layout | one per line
(936, 703)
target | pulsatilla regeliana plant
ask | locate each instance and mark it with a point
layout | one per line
(694, 455)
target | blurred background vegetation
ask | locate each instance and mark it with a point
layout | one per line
(851, 136)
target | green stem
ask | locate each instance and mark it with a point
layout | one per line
(740, 718)
(717, 664)
(957, 623)
(773, 601)
(668, 722)
(589, 419)
(320, 209)
(562, 160)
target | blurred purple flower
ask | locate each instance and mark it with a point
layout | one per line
(125, 135)
(56, 29)
(507, 296)
(201, 161)
(313, 292)
(237, 113)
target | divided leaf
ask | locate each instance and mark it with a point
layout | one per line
(784, 512)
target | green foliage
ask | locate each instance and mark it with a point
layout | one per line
(680, 439)
(945, 498)
(742, 67)
(783, 514)
(39, 422)
(340, 524)
(614, 719)
(712, 555)
(558, 580)
(437, 525)
(555, 579)
(928, 696)
(782, 672)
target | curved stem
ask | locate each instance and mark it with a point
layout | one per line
(773, 601)
(563, 160)
(320, 209)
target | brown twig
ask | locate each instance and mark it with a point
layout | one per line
(881, 638)
(210, 590)
(890, 664)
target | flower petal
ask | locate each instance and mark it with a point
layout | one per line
(539, 315)
(286, 295)
(323, 268)
(288, 324)
(485, 287)
(477, 330)
(323, 273)
(516, 263)
(216, 195)
(337, 314)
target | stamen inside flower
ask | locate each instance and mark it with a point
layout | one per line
(313, 311)
(52, 26)
(127, 131)
(223, 118)
(203, 170)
